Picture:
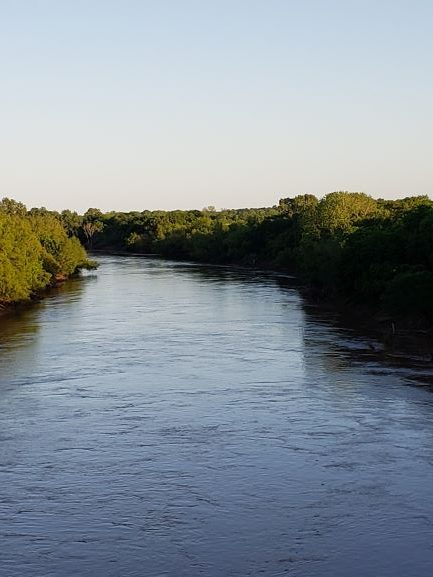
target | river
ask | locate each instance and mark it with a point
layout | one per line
(167, 419)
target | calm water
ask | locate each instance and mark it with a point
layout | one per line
(162, 419)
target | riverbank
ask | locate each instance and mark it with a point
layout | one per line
(36, 252)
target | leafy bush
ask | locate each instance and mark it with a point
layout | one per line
(34, 250)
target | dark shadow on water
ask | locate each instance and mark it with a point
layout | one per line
(354, 338)
(343, 337)
(19, 327)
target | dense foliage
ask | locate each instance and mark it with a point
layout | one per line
(349, 245)
(366, 251)
(35, 250)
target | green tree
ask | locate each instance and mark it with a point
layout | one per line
(21, 259)
(71, 222)
(12, 207)
(340, 212)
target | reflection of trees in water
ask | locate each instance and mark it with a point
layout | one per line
(70, 290)
(211, 273)
(19, 328)
(18, 336)
(332, 338)
(335, 340)
(19, 324)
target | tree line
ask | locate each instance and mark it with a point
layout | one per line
(35, 251)
(346, 245)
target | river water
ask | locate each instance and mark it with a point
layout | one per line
(166, 419)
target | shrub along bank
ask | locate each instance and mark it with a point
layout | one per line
(35, 251)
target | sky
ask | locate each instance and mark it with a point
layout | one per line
(165, 104)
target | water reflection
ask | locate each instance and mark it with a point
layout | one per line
(169, 419)
(20, 330)
(343, 338)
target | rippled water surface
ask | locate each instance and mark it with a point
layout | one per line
(163, 419)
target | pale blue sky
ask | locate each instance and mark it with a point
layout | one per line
(134, 104)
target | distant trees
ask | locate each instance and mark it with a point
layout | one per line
(12, 207)
(341, 212)
(71, 222)
(378, 252)
(90, 228)
(346, 244)
(298, 205)
(91, 224)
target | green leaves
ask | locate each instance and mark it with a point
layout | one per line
(34, 250)
(21, 259)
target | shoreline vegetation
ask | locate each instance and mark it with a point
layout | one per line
(351, 251)
(35, 253)
(346, 247)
